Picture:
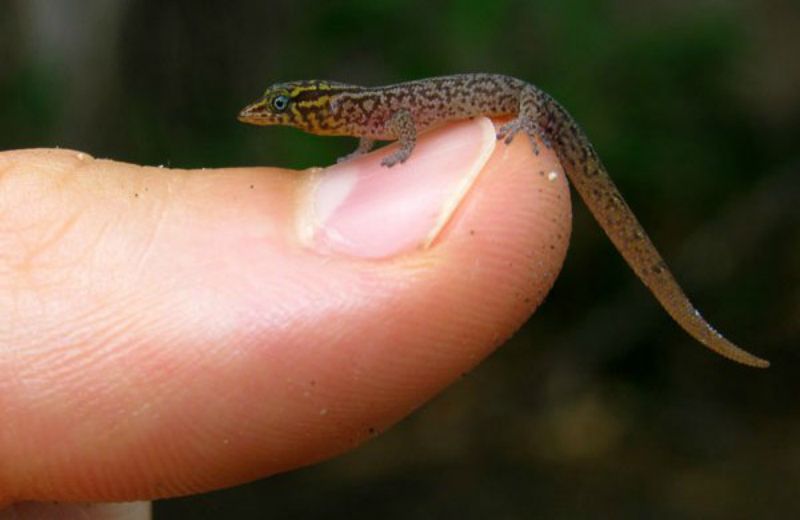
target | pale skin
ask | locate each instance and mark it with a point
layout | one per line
(160, 329)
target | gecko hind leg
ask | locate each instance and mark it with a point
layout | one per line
(528, 116)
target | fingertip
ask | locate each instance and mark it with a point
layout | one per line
(235, 348)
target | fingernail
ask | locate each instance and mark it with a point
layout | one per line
(360, 208)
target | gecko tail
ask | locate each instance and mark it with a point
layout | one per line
(642, 256)
(591, 180)
(701, 330)
(624, 230)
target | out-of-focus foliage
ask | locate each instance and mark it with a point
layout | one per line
(600, 406)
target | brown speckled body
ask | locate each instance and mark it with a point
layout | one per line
(429, 102)
(401, 111)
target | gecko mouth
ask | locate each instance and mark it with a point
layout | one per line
(253, 114)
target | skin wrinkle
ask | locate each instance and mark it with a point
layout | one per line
(34, 274)
(29, 271)
(140, 260)
(36, 241)
(33, 251)
(31, 282)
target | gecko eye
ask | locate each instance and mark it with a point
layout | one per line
(280, 103)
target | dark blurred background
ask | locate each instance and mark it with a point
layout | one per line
(600, 406)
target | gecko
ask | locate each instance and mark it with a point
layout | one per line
(401, 111)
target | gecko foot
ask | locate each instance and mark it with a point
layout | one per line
(397, 157)
(527, 125)
(400, 156)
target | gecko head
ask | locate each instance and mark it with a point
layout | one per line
(301, 104)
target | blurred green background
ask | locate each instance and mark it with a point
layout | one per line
(600, 405)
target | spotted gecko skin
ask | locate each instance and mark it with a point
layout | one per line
(400, 112)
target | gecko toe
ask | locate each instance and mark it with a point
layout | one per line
(391, 161)
(397, 157)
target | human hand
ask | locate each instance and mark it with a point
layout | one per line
(167, 332)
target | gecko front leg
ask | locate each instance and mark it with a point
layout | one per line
(401, 126)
